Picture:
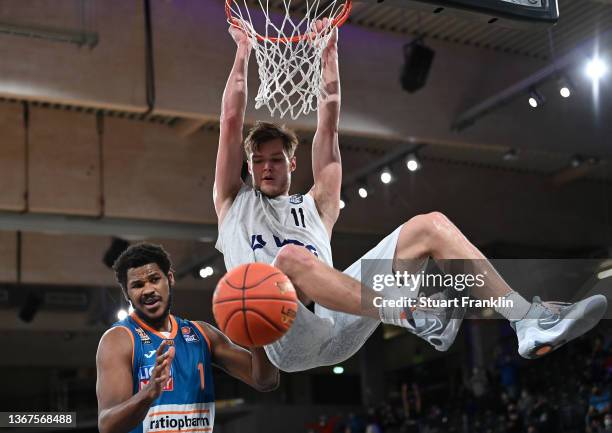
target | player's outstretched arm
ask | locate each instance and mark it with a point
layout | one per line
(326, 162)
(120, 411)
(229, 154)
(250, 366)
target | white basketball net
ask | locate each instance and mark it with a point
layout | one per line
(288, 51)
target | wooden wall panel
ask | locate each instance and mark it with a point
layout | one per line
(111, 74)
(64, 162)
(12, 152)
(152, 173)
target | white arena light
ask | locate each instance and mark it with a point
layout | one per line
(386, 176)
(206, 272)
(122, 314)
(565, 92)
(412, 162)
(596, 69)
(535, 98)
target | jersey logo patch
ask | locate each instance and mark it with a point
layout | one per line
(144, 376)
(143, 336)
(296, 199)
(257, 242)
(188, 335)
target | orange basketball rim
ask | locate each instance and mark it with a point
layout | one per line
(337, 21)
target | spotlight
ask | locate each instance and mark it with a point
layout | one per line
(510, 155)
(412, 162)
(206, 272)
(363, 191)
(343, 199)
(386, 176)
(576, 161)
(596, 69)
(338, 369)
(535, 98)
(565, 88)
(113, 252)
(122, 314)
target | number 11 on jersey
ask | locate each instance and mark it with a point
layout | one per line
(295, 216)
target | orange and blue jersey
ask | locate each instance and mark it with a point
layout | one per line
(187, 403)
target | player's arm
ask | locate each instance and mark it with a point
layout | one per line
(326, 163)
(229, 155)
(120, 411)
(250, 366)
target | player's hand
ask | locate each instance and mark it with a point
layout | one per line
(321, 26)
(161, 372)
(239, 36)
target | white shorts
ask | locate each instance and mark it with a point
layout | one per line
(328, 337)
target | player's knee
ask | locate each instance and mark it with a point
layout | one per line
(429, 227)
(292, 258)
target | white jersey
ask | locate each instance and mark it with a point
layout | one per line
(257, 226)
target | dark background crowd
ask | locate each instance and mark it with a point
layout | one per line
(566, 391)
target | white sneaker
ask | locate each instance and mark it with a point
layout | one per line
(549, 325)
(437, 326)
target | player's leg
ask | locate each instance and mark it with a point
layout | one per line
(541, 327)
(316, 281)
(434, 235)
(332, 334)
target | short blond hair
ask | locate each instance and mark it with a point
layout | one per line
(263, 132)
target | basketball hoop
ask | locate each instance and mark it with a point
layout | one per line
(288, 50)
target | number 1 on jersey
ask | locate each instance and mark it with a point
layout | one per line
(201, 370)
(295, 217)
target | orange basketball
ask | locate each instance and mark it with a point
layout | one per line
(254, 304)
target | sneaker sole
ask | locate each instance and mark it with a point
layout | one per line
(587, 318)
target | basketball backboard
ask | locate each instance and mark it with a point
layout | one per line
(508, 12)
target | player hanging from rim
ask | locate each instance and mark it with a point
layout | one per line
(263, 224)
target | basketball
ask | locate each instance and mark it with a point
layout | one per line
(254, 304)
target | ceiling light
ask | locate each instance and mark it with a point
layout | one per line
(122, 314)
(412, 162)
(596, 68)
(206, 272)
(386, 176)
(536, 99)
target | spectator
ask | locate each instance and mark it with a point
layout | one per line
(600, 400)
(608, 423)
(515, 422)
(525, 403)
